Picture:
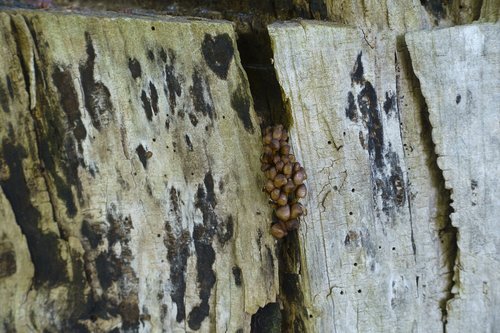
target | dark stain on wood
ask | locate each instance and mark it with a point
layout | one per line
(113, 267)
(318, 9)
(267, 319)
(141, 153)
(146, 105)
(154, 97)
(151, 55)
(8, 265)
(68, 100)
(173, 89)
(177, 242)
(188, 142)
(357, 73)
(201, 95)
(435, 7)
(218, 53)
(387, 175)
(4, 99)
(193, 119)
(240, 102)
(389, 103)
(237, 276)
(225, 230)
(129, 312)
(351, 109)
(203, 235)
(92, 233)
(9, 86)
(50, 267)
(135, 68)
(96, 95)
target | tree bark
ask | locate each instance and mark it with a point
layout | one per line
(130, 184)
(130, 177)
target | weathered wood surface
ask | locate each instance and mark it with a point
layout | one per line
(377, 248)
(130, 182)
(461, 87)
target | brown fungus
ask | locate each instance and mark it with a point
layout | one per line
(285, 180)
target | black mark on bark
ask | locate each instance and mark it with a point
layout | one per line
(241, 104)
(218, 53)
(135, 68)
(96, 95)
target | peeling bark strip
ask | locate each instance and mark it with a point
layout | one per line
(461, 91)
(111, 194)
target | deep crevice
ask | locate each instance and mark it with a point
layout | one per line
(446, 231)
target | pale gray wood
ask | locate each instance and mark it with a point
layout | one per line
(130, 225)
(372, 260)
(459, 69)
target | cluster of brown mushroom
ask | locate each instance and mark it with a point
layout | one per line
(285, 180)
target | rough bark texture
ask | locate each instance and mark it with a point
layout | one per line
(130, 177)
(129, 166)
(377, 245)
(461, 89)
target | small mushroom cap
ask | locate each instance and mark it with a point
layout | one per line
(277, 132)
(301, 191)
(285, 149)
(266, 139)
(280, 180)
(275, 144)
(282, 200)
(287, 169)
(271, 173)
(298, 177)
(267, 150)
(277, 231)
(283, 213)
(284, 135)
(280, 165)
(275, 194)
(269, 186)
(296, 210)
(292, 224)
(288, 187)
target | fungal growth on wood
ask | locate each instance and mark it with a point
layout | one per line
(285, 180)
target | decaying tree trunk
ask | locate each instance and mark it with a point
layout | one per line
(376, 244)
(130, 184)
(130, 177)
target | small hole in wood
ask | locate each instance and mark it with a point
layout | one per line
(158, 235)
(350, 213)
(154, 139)
(341, 292)
(223, 117)
(153, 28)
(393, 248)
(329, 142)
(135, 173)
(359, 291)
(355, 264)
(353, 190)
